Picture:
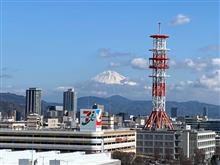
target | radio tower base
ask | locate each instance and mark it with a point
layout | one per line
(158, 120)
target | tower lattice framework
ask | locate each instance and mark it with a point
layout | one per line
(158, 118)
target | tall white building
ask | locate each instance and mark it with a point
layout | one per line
(70, 103)
(33, 101)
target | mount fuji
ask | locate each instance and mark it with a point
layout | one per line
(108, 83)
(113, 78)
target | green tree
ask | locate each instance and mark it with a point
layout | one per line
(199, 157)
(125, 157)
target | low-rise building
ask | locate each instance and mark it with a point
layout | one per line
(55, 112)
(140, 121)
(34, 121)
(198, 139)
(16, 125)
(107, 121)
(88, 141)
(165, 143)
(29, 157)
(161, 143)
(204, 123)
(53, 123)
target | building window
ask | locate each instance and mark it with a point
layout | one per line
(148, 150)
(168, 137)
(158, 144)
(139, 143)
(139, 149)
(169, 151)
(139, 136)
(148, 136)
(168, 144)
(158, 137)
(148, 143)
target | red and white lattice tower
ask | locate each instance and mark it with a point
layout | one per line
(158, 118)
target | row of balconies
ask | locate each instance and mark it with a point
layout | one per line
(73, 147)
(66, 140)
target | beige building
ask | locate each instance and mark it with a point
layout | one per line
(53, 123)
(34, 121)
(108, 121)
(17, 125)
(89, 141)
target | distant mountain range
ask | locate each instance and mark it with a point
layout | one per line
(115, 104)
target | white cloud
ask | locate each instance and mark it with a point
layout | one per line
(211, 81)
(199, 64)
(104, 52)
(181, 85)
(131, 83)
(63, 88)
(13, 89)
(206, 81)
(196, 64)
(139, 63)
(99, 93)
(114, 64)
(180, 19)
(210, 48)
(216, 61)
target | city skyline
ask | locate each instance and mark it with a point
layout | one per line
(59, 45)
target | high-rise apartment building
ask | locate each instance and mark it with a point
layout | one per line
(33, 101)
(205, 111)
(70, 103)
(173, 112)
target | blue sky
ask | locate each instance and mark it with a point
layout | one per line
(50, 44)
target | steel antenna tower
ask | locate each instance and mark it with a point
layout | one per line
(158, 118)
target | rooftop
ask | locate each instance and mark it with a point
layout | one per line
(72, 158)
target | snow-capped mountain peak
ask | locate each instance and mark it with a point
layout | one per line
(112, 77)
(109, 77)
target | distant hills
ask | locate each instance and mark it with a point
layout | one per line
(115, 104)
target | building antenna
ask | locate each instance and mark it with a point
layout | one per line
(159, 30)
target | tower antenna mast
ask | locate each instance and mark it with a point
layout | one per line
(158, 118)
(159, 27)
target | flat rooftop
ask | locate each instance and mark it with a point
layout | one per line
(69, 132)
(72, 158)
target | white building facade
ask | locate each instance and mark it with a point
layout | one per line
(198, 139)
